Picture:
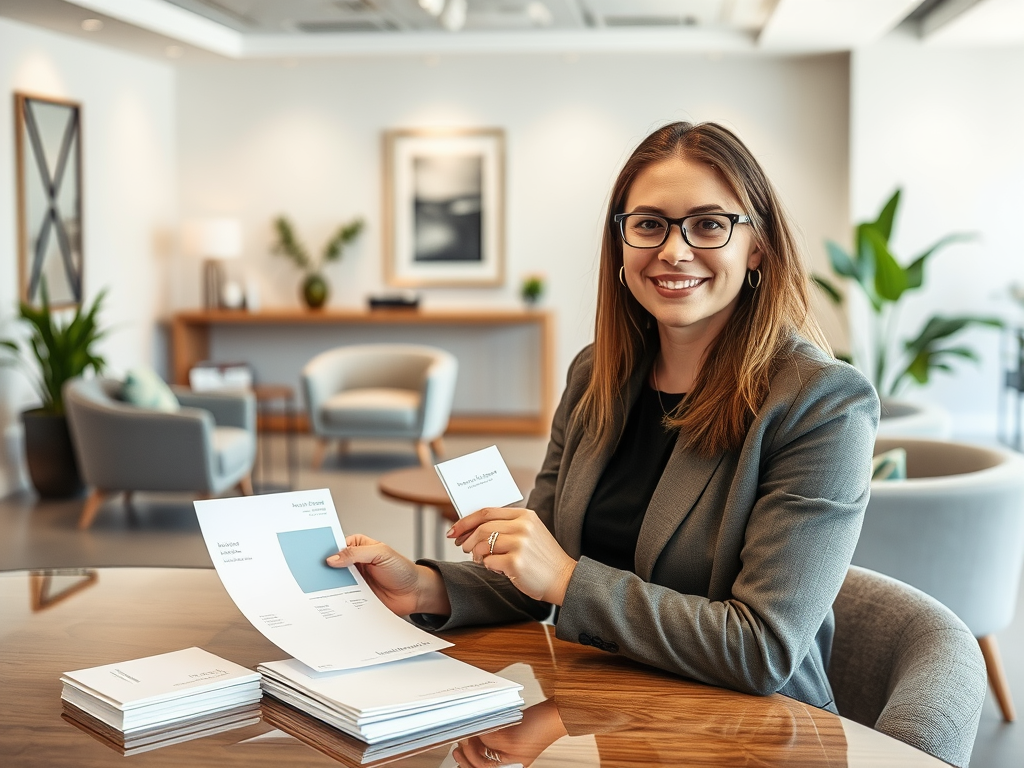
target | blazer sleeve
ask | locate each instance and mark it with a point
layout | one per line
(809, 484)
(479, 596)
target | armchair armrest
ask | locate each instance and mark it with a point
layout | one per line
(438, 395)
(229, 409)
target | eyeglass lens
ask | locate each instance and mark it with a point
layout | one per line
(704, 230)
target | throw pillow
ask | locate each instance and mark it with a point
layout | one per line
(890, 465)
(145, 389)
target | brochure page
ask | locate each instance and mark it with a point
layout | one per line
(269, 552)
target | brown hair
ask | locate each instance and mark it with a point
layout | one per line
(732, 382)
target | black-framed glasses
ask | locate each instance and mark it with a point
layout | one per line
(699, 230)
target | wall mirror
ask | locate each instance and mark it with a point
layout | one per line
(48, 146)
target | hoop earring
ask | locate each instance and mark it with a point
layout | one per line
(750, 282)
(622, 275)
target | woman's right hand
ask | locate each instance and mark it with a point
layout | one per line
(402, 585)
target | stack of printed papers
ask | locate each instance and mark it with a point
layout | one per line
(149, 698)
(398, 701)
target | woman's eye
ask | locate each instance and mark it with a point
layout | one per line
(707, 225)
(648, 225)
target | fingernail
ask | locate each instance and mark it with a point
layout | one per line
(334, 558)
(451, 532)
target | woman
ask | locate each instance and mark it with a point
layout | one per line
(709, 462)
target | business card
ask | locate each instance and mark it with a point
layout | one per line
(477, 480)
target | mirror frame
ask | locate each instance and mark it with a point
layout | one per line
(27, 149)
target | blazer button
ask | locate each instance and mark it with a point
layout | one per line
(585, 639)
(598, 643)
(612, 647)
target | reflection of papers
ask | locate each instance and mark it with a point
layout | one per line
(269, 552)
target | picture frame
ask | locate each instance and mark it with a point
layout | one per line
(48, 157)
(444, 216)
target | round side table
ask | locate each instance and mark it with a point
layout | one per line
(421, 487)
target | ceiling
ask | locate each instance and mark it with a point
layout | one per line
(292, 29)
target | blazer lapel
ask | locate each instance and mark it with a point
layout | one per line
(682, 483)
(585, 467)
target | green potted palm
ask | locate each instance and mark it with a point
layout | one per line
(894, 364)
(58, 351)
(315, 289)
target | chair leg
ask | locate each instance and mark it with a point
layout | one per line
(423, 451)
(128, 496)
(319, 452)
(91, 507)
(245, 485)
(997, 676)
(437, 446)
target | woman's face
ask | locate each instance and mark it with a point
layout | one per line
(689, 289)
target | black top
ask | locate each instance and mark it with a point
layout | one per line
(617, 508)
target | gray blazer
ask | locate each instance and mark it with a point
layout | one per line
(740, 555)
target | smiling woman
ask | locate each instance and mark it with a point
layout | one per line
(709, 463)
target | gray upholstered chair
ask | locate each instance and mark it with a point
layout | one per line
(955, 530)
(205, 448)
(399, 391)
(904, 664)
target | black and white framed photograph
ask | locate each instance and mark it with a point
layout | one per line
(48, 155)
(444, 207)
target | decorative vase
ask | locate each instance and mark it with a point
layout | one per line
(315, 290)
(50, 455)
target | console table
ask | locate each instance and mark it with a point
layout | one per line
(191, 343)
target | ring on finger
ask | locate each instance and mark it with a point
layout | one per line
(491, 754)
(490, 542)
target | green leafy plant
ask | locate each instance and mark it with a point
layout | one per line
(288, 245)
(532, 288)
(59, 351)
(874, 269)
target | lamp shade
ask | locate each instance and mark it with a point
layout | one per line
(215, 238)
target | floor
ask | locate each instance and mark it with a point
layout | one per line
(161, 530)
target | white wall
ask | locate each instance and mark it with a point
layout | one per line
(946, 125)
(129, 186)
(261, 138)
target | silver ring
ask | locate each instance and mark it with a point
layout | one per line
(489, 753)
(490, 542)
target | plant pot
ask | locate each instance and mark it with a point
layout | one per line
(905, 418)
(315, 291)
(50, 455)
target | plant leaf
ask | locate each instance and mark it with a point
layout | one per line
(890, 278)
(887, 215)
(827, 288)
(842, 262)
(346, 233)
(288, 245)
(915, 270)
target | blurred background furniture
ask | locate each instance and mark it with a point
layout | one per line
(396, 391)
(206, 447)
(904, 664)
(955, 530)
(914, 419)
(421, 487)
(275, 405)
(512, 352)
(1011, 394)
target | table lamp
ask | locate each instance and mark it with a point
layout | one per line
(216, 239)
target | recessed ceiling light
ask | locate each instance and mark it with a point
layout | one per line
(174, 51)
(92, 25)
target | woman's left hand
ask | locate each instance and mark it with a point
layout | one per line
(524, 550)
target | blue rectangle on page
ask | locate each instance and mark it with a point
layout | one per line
(305, 552)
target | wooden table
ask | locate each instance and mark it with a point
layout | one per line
(615, 712)
(190, 344)
(422, 487)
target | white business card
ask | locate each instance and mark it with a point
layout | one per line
(477, 480)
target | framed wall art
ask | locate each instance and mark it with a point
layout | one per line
(48, 151)
(444, 218)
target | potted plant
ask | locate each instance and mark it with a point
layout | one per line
(314, 287)
(892, 364)
(532, 289)
(59, 352)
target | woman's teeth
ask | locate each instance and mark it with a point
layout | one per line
(678, 285)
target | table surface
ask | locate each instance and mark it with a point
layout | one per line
(585, 707)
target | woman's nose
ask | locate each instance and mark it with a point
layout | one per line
(675, 248)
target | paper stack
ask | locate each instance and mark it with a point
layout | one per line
(160, 700)
(398, 702)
